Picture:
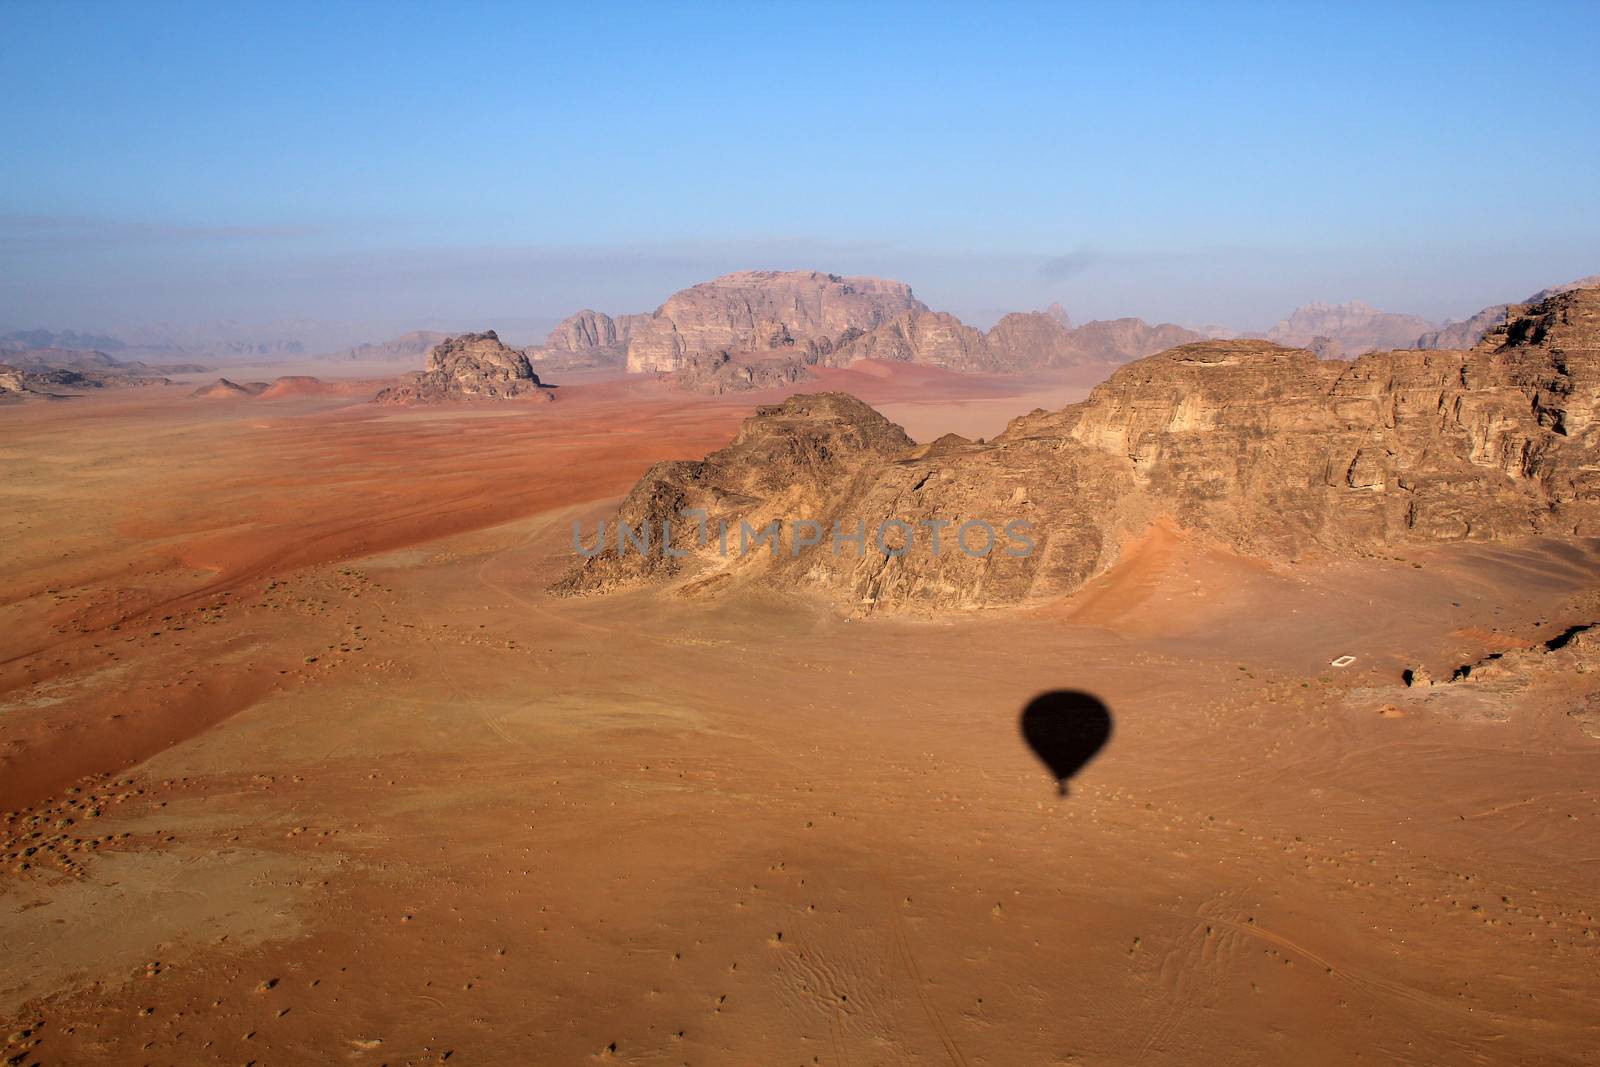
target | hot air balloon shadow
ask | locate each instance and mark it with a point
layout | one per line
(1066, 728)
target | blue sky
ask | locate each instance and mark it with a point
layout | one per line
(471, 164)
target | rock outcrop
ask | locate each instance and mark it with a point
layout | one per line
(1260, 447)
(729, 372)
(1348, 329)
(32, 381)
(470, 367)
(1468, 332)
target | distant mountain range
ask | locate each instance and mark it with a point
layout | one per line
(1353, 329)
(751, 329)
(754, 328)
(410, 347)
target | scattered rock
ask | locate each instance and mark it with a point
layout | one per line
(472, 366)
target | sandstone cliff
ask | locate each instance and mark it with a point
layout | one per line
(930, 338)
(1261, 447)
(587, 340)
(472, 366)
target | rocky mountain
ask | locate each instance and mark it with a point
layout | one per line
(1246, 443)
(1468, 332)
(472, 366)
(930, 338)
(1025, 339)
(772, 326)
(1121, 340)
(726, 312)
(587, 340)
(1020, 341)
(1347, 329)
(590, 331)
(407, 346)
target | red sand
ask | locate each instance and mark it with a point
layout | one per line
(386, 801)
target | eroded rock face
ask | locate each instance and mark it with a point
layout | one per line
(472, 366)
(929, 338)
(1261, 447)
(587, 340)
(1035, 339)
(1469, 332)
(723, 313)
(728, 372)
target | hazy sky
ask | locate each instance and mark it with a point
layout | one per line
(483, 165)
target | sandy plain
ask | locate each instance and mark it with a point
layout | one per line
(300, 764)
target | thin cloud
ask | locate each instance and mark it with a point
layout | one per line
(88, 230)
(1060, 268)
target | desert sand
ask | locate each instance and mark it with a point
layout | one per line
(302, 763)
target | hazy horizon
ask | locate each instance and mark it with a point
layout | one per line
(375, 170)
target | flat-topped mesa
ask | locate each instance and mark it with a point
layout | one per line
(723, 313)
(1263, 448)
(472, 366)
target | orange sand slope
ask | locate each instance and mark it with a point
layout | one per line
(312, 769)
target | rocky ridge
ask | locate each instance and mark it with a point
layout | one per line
(1470, 331)
(1259, 447)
